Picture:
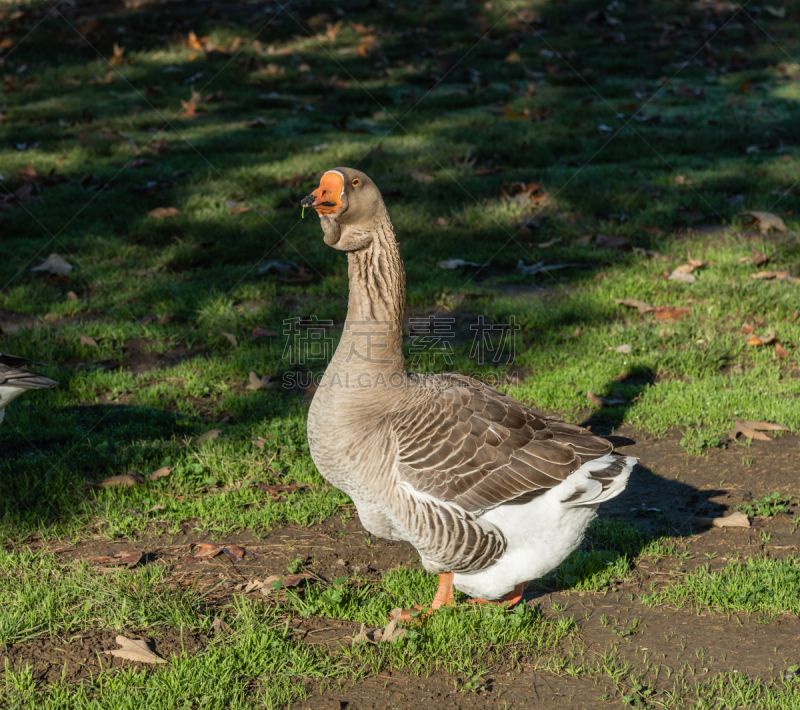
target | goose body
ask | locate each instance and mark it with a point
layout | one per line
(490, 492)
(15, 380)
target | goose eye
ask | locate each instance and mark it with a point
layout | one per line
(356, 182)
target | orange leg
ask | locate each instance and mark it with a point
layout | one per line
(443, 596)
(511, 599)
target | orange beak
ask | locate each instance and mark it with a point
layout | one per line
(327, 198)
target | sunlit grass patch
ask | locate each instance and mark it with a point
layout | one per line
(758, 585)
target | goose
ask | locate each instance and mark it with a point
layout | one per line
(15, 380)
(491, 493)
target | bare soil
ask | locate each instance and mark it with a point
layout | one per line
(82, 655)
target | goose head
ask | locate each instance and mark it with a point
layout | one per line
(350, 208)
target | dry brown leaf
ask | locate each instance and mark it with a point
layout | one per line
(128, 559)
(545, 245)
(684, 276)
(231, 339)
(292, 580)
(624, 349)
(777, 275)
(160, 473)
(190, 106)
(204, 551)
(157, 507)
(747, 329)
(54, 264)
(218, 626)
(670, 313)
(118, 60)
(275, 491)
(212, 434)
(234, 552)
(161, 212)
(752, 430)
(132, 478)
(634, 303)
(759, 257)
(258, 383)
(513, 58)
(193, 43)
(767, 221)
(134, 650)
(767, 339)
(734, 520)
(87, 341)
(781, 351)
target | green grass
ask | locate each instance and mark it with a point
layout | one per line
(165, 291)
(757, 585)
(258, 665)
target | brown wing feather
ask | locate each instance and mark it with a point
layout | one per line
(478, 448)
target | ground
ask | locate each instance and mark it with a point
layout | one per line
(644, 156)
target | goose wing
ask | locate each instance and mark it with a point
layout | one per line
(472, 446)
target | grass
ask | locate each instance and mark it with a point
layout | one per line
(757, 585)
(472, 98)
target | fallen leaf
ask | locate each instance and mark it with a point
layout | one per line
(125, 480)
(72, 296)
(759, 257)
(204, 551)
(734, 520)
(87, 341)
(781, 351)
(419, 176)
(160, 473)
(157, 507)
(752, 430)
(118, 59)
(231, 338)
(634, 303)
(134, 650)
(393, 632)
(766, 339)
(234, 553)
(746, 329)
(292, 580)
(450, 264)
(767, 221)
(54, 264)
(190, 106)
(258, 383)
(684, 276)
(375, 634)
(218, 626)
(275, 491)
(545, 245)
(261, 332)
(193, 43)
(139, 163)
(212, 434)
(513, 58)
(161, 212)
(624, 349)
(670, 313)
(128, 559)
(777, 275)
